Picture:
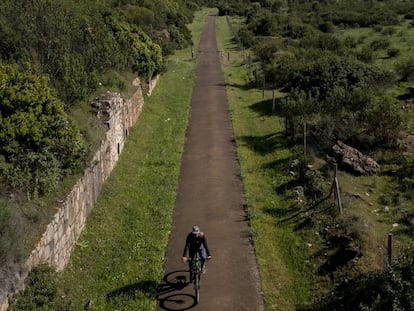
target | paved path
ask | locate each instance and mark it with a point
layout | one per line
(210, 195)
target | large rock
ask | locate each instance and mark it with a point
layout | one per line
(106, 105)
(353, 160)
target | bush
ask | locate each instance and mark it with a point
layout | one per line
(39, 142)
(322, 41)
(388, 31)
(40, 292)
(393, 52)
(247, 37)
(366, 54)
(327, 27)
(405, 68)
(297, 30)
(380, 44)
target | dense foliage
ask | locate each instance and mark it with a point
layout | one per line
(54, 57)
(341, 70)
(75, 44)
(391, 289)
(39, 142)
(41, 292)
(300, 54)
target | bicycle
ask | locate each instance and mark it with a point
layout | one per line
(195, 275)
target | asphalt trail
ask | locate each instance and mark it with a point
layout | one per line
(210, 194)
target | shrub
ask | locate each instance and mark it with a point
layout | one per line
(405, 68)
(393, 52)
(380, 44)
(388, 31)
(40, 292)
(247, 37)
(327, 27)
(297, 30)
(366, 54)
(39, 142)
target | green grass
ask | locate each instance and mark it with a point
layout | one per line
(118, 261)
(288, 258)
(260, 146)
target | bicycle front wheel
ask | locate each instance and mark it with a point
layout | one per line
(197, 287)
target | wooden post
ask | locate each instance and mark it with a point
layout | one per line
(389, 248)
(304, 139)
(337, 192)
(228, 56)
(273, 102)
(338, 196)
(263, 86)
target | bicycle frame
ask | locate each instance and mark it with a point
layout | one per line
(195, 273)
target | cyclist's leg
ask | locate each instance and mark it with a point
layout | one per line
(203, 256)
(190, 263)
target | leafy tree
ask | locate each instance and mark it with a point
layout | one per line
(384, 119)
(266, 49)
(39, 142)
(74, 42)
(405, 68)
(141, 54)
(299, 108)
(263, 23)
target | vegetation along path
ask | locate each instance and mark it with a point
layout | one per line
(210, 194)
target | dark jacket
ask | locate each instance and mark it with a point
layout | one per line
(194, 243)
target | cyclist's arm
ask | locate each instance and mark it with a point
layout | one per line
(206, 246)
(186, 247)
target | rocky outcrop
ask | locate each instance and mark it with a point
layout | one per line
(353, 160)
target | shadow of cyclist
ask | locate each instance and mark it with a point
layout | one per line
(170, 296)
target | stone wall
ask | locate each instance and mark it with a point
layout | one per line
(60, 236)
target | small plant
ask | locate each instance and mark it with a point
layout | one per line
(40, 292)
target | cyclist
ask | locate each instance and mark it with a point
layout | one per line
(196, 242)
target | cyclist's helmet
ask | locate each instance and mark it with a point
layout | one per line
(196, 230)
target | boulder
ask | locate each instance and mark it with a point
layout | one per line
(106, 104)
(353, 160)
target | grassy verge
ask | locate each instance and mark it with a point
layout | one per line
(118, 260)
(261, 149)
(119, 257)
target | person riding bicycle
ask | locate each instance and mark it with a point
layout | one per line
(196, 242)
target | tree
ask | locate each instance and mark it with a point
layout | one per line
(39, 142)
(384, 119)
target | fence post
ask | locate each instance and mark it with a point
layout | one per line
(337, 192)
(389, 248)
(263, 86)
